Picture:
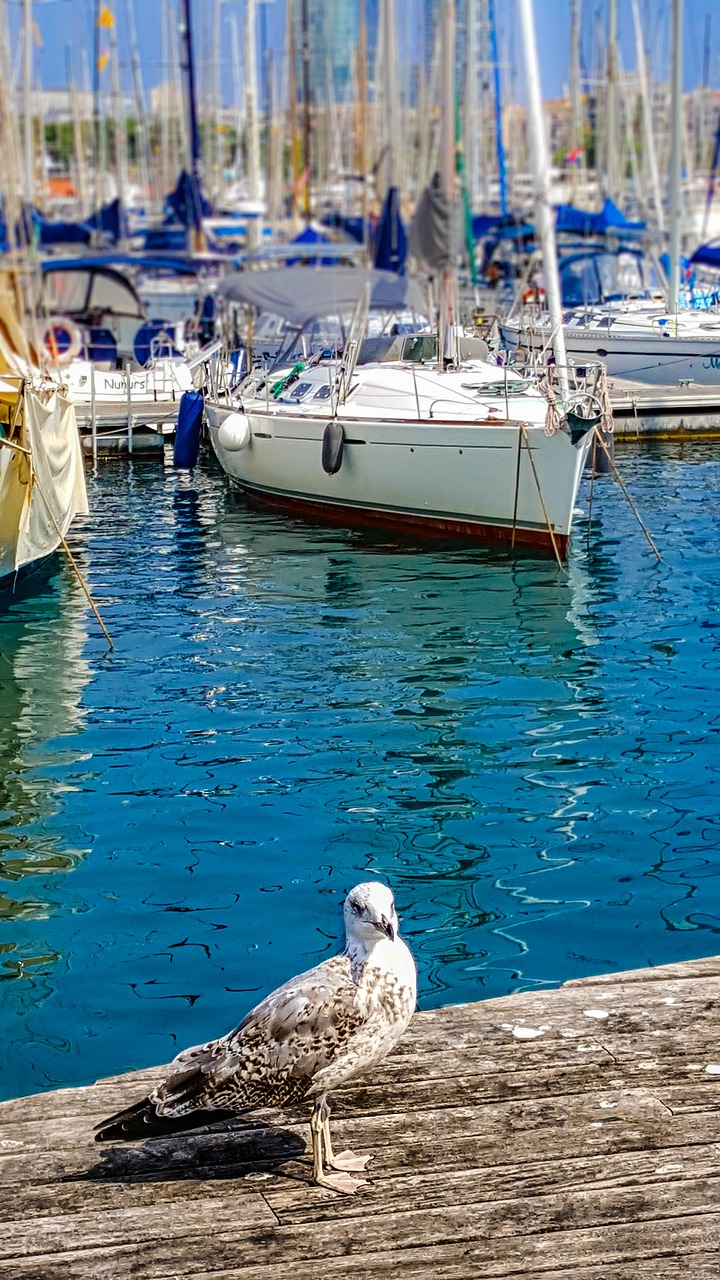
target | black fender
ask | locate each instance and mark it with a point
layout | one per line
(332, 447)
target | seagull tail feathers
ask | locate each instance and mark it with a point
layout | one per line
(142, 1121)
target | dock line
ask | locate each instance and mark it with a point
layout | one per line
(633, 508)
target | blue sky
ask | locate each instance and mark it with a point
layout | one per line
(65, 23)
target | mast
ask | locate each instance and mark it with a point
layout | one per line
(611, 130)
(541, 173)
(576, 139)
(165, 177)
(647, 118)
(29, 143)
(305, 50)
(499, 145)
(446, 15)
(216, 110)
(390, 93)
(141, 130)
(238, 93)
(362, 94)
(472, 123)
(118, 116)
(77, 134)
(253, 133)
(98, 130)
(675, 154)
(292, 131)
(195, 154)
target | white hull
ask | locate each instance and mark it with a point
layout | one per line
(484, 480)
(164, 381)
(655, 355)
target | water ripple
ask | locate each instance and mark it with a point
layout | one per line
(529, 758)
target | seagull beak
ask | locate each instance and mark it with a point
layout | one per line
(385, 926)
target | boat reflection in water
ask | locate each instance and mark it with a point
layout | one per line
(42, 676)
(432, 731)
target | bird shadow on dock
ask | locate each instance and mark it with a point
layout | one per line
(214, 1152)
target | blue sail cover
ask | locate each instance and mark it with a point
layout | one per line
(312, 237)
(352, 227)
(500, 228)
(34, 228)
(580, 222)
(111, 220)
(390, 248)
(187, 205)
(708, 255)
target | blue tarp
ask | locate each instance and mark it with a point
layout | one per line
(108, 221)
(311, 236)
(708, 255)
(492, 224)
(352, 227)
(165, 239)
(149, 262)
(579, 221)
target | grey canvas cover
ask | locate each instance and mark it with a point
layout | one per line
(436, 231)
(301, 294)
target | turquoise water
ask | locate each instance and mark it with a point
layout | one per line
(530, 757)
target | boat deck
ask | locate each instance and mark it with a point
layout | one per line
(569, 1134)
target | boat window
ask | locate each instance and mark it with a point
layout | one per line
(579, 283)
(109, 294)
(420, 347)
(620, 275)
(297, 391)
(322, 394)
(66, 291)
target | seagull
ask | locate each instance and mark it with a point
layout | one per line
(311, 1035)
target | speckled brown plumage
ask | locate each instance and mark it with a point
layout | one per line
(309, 1036)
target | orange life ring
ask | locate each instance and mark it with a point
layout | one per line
(534, 295)
(62, 341)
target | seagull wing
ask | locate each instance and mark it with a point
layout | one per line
(272, 1057)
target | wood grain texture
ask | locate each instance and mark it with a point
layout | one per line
(590, 1150)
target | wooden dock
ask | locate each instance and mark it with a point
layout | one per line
(570, 1134)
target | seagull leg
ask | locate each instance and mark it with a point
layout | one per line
(347, 1161)
(341, 1181)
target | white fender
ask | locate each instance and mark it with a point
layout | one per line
(50, 341)
(234, 432)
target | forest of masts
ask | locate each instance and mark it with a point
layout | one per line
(273, 136)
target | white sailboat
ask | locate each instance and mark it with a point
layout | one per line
(411, 432)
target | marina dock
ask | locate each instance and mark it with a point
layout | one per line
(568, 1134)
(142, 429)
(664, 413)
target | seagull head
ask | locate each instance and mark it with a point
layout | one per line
(370, 913)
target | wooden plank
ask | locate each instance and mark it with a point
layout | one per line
(592, 1144)
(469, 1238)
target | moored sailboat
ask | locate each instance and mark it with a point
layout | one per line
(42, 479)
(422, 436)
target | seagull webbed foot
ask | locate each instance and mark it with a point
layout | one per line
(349, 1162)
(341, 1182)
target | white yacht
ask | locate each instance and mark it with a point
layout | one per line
(611, 315)
(386, 434)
